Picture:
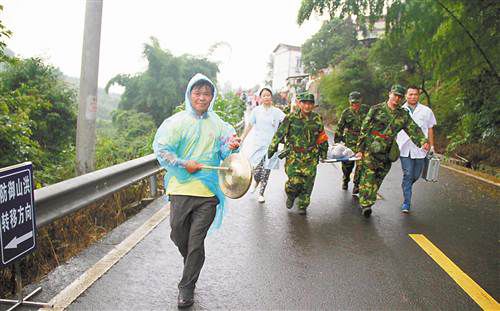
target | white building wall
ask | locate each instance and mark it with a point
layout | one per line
(286, 63)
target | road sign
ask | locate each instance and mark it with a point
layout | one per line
(17, 213)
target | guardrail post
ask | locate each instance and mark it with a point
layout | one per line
(153, 186)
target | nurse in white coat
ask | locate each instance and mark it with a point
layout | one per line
(263, 123)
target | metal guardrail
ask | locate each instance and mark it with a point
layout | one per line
(66, 197)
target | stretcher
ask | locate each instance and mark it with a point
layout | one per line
(345, 159)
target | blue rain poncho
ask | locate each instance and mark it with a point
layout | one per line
(204, 139)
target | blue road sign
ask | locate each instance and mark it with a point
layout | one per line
(17, 213)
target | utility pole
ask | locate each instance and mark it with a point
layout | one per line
(87, 107)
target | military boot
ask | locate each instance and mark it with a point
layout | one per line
(345, 185)
(366, 211)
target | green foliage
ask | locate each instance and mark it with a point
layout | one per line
(159, 89)
(447, 47)
(15, 131)
(129, 136)
(354, 73)
(329, 45)
(38, 119)
(4, 33)
(51, 106)
(230, 108)
(365, 10)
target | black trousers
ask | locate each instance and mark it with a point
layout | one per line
(190, 219)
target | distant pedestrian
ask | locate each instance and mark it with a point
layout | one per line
(413, 157)
(263, 123)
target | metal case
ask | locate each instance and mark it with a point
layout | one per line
(431, 169)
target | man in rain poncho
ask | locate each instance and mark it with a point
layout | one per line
(183, 144)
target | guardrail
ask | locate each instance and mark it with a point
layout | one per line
(66, 197)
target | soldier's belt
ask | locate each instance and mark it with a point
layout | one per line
(377, 133)
(353, 131)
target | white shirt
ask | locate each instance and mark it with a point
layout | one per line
(424, 117)
(265, 122)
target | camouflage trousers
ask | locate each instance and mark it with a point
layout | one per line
(372, 173)
(301, 174)
(261, 176)
(347, 168)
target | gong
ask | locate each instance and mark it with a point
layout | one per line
(235, 175)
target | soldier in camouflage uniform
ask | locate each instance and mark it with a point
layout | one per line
(305, 141)
(378, 134)
(347, 131)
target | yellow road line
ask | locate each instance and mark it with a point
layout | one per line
(75, 289)
(481, 297)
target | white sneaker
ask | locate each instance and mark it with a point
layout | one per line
(261, 199)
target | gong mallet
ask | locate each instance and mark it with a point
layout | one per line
(220, 168)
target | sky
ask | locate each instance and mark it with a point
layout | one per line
(53, 30)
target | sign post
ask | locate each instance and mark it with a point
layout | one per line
(17, 224)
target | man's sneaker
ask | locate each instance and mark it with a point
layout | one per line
(355, 190)
(366, 211)
(261, 199)
(289, 202)
(405, 209)
(302, 211)
(345, 186)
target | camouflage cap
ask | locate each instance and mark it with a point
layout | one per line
(354, 97)
(398, 89)
(306, 97)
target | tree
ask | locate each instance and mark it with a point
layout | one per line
(129, 136)
(476, 20)
(367, 11)
(448, 47)
(4, 33)
(159, 89)
(330, 45)
(354, 73)
(52, 111)
(38, 118)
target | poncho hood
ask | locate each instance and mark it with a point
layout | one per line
(187, 98)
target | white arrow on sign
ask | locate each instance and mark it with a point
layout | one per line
(18, 240)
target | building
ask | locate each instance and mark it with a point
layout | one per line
(287, 64)
(369, 36)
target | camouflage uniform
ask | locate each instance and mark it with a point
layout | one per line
(286, 110)
(378, 133)
(348, 130)
(305, 142)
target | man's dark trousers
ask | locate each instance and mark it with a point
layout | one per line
(190, 219)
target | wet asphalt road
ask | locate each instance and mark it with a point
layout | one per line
(265, 257)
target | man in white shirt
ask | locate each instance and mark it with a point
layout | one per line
(412, 157)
